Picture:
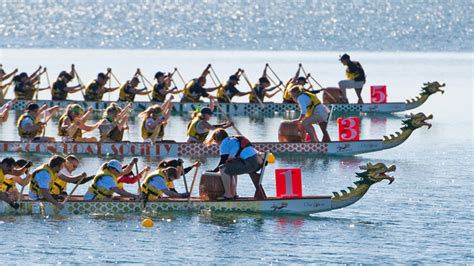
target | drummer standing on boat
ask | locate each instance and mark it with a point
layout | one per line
(60, 90)
(312, 112)
(355, 78)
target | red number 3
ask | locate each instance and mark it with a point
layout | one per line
(348, 128)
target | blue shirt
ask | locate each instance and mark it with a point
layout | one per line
(230, 146)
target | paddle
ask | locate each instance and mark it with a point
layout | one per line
(37, 85)
(251, 87)
(192, 184)
(143, 81)
(184, 179)
(180, 76)
(46, 120)
(154, 135)
(276, 76)
(80, 82)
(70, 194)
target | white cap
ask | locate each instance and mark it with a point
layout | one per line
(115, 165)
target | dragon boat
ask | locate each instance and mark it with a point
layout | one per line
(373, 173)
(427, 90)
(178, 149)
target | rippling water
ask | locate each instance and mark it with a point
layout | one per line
(381, 25)
(425, 216)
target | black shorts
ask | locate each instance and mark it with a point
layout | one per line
(238, 166)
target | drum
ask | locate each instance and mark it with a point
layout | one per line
(289, 132)
(332, 95)
(211, 187)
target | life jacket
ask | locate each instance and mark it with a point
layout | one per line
(7, 185)
(92, 91)
(187, 91)
(146, 133)
(115, 134)
(63, 133)
(243, 143)
(57, 91)
(286, 91)
(21, 92)
(358, 74)
(156, 95)
(192, 130)
(58, 187)
(24, 134)
(260, 92)
(222, 93)
(124, 94)
(314, 102)
(2, 177)
(150, 191)
(101, 192)
(34, 188)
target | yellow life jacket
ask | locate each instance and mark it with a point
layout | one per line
(156, 95)
(23, 91)
(150, 191)
(314, 102)
(256, 93)
(24, 134)
(192, 130)
(58, 187)
(34, 188)
(58, 92)
(101, 192)
(221, 92)
(115, 134)
(187, 91)
(63, 133)
(2, 178)
(124, 95)
(7, 185)
(146, 133)
(358, 74)
(286, 91)
(92, 91)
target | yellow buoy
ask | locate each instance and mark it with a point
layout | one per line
(147, 222)
(271, 158)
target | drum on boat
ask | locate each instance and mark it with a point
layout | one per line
(211, 187)
(289, 132)
(332, 96)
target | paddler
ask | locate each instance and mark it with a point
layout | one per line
(29, 124)
(355, 78)
(160, 182)
(96, 89)
(296, 80)
(179, 165)
(44, 177)
(5, 110)
(312, 112)
(8, 167)
(9, 183)
(114, 123)
(59, 188)
(261, 90)
(227, 91)
(73, 122)
(128, 90)
(154, 119)
(199, 126)
(162, 87)
(194, 89)
(25, 85)
(60, 90)
(105, 183)
(237, 157)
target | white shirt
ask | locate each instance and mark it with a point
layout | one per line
(230, 146)
(106, 182)
(42, 178)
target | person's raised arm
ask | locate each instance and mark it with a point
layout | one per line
(206, 71)
(7, 76)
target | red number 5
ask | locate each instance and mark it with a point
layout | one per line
(378, 94)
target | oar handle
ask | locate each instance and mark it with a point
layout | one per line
(192, 183)
(251, 87)
(74, 189)
(80, 83)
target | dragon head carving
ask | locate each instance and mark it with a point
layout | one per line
(415, 121)
(432, 88)
(375, 173)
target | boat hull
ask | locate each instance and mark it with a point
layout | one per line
(234, 108)
(178, 149)
(306, 205)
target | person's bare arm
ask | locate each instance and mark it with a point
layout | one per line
(9, 75)
(47, 196)
(124, 193)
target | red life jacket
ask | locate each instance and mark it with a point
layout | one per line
(243, 143)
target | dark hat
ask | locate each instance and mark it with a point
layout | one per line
(159, 75)
(65, 74)
(234, 78)
(301, 79)
(344, 57)
(136, 79)
(206, 110)
(101, 76)
(263, 79)
(32, 107)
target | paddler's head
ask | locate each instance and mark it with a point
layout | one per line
(75, 111)
(206, 113)
(264, 82)
(23, 77)
(171, 173)
(32, 109)
(160, 76)
(66, 77)
(112, 111)
(217, 136)
(102, 78)
(234, 80)
(202, 81)
(301, 81)
(72, 162)
(134, 82)
(56, 163)
(7, 165)
(115, 167)
(345, 59)
(157, 112)
(295, 92)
